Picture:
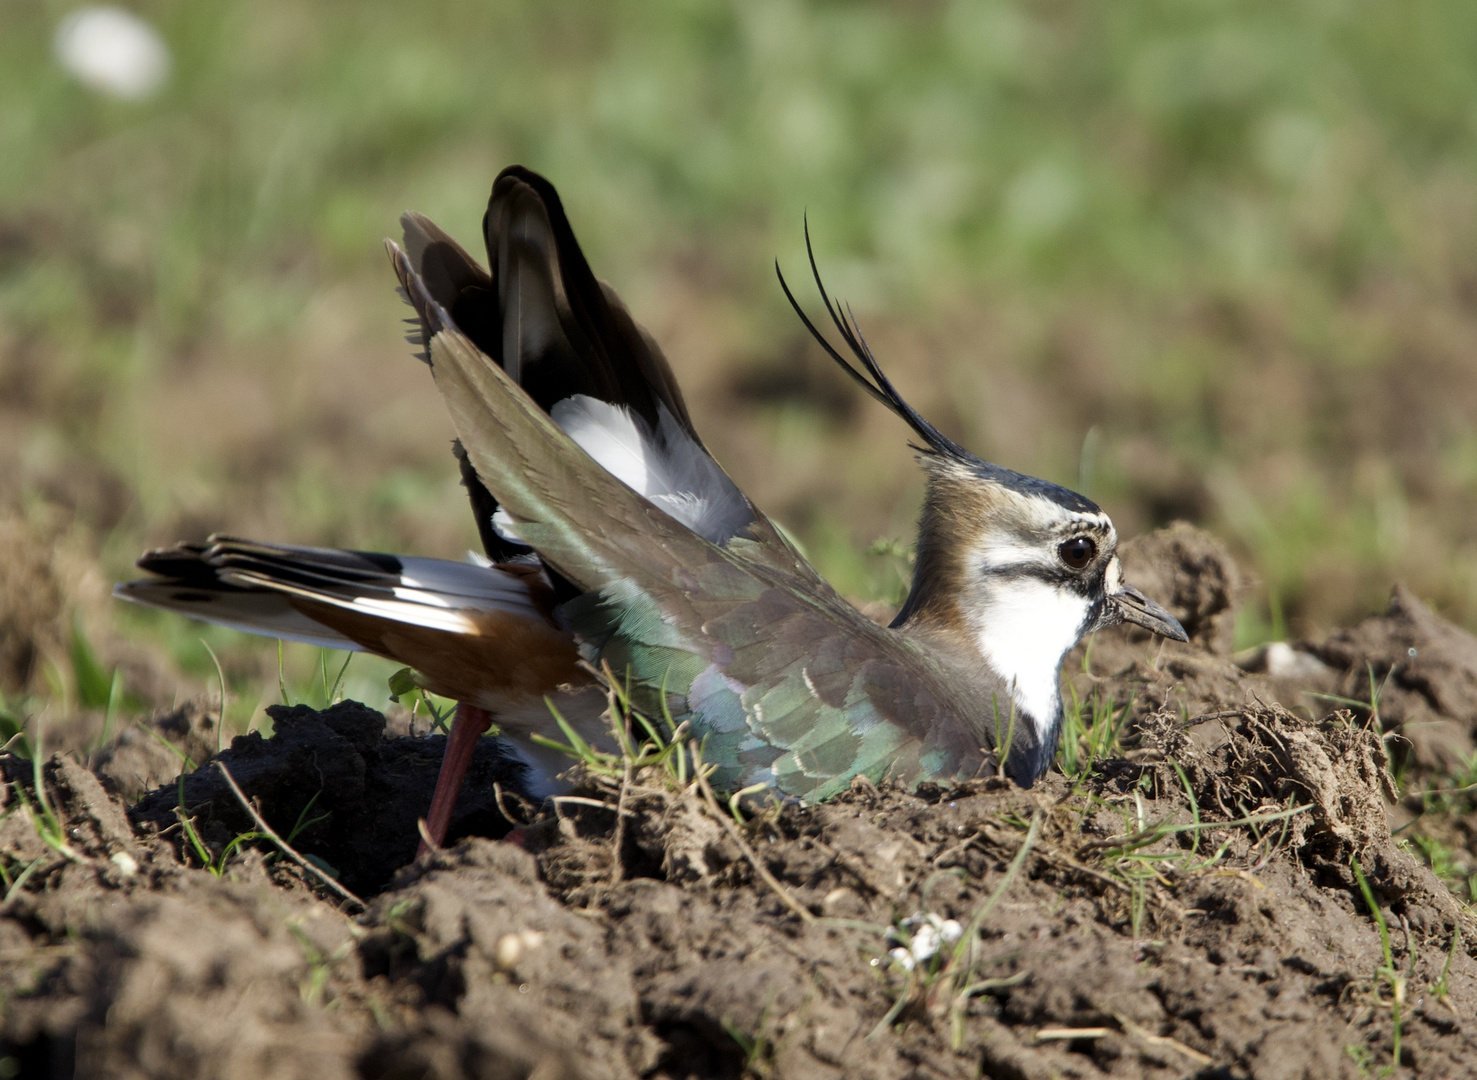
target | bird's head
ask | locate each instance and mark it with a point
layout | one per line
(1020, 570)
(1000, 540)
(1014, 569)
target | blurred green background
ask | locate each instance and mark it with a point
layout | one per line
(1205, 259)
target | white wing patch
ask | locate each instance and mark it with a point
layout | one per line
(667, 466)
(608, 433)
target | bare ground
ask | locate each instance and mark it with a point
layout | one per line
(1120, 925)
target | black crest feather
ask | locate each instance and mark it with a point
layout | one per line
(875, 382)
(871, 378)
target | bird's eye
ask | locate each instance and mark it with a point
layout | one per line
(1077, 552)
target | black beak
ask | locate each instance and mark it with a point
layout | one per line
(1130, 605)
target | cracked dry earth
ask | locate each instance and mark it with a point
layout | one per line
(1092, 938)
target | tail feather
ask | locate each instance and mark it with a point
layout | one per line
(484, 634)
(269, 614)
(350, 574)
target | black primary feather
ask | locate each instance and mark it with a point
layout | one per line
(539, 312)
(497, 547)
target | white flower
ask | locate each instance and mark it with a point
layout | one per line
(920, 938)
(925, 945)
(112, 51)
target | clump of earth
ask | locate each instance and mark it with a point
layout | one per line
(1215, 891)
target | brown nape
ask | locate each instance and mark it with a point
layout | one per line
(954, 509)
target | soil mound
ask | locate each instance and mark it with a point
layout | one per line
(1213, 891)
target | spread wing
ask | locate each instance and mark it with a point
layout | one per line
(788, 683)
(566, 338)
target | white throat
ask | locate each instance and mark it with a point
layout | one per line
(1023, 628)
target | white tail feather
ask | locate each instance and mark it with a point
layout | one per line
(433, 593)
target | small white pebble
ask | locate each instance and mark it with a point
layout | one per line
(507, 951)
(127, 865)
(113, 52)
(510, 948)
(921, 936)
(836, 898)
(1282, 661)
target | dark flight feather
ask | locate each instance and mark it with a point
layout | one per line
(541, 314)
(539, 311)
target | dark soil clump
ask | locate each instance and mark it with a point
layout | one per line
(342, 792)
(1189, 906)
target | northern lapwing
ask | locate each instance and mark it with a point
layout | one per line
(613, 537)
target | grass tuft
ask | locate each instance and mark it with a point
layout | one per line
(41, 814)
(1091, 732)
(1441, 988)
(642, 742)
(1387, 973)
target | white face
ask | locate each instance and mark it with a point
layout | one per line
(1023, 631)
(1026, 606)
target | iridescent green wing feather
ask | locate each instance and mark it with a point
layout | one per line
(786, 682)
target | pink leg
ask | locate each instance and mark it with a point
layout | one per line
(466, 728)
